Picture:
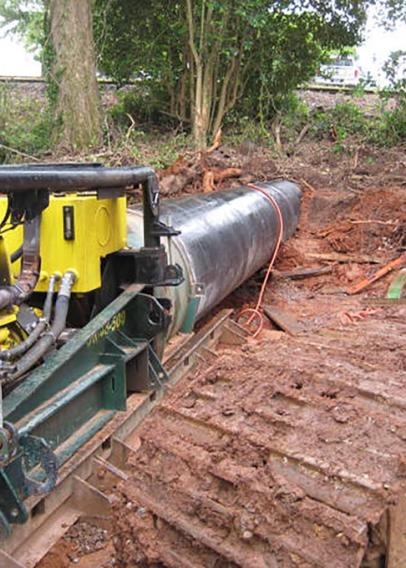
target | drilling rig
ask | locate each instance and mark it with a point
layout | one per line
(90, 292)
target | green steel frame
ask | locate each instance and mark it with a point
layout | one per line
(76, 391)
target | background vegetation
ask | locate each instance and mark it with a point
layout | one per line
(196, 67)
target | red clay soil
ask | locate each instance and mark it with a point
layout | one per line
(289, 451)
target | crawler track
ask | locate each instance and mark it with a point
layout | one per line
(290, 452)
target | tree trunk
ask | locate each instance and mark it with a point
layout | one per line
(74, 73)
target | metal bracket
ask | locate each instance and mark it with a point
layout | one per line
(148, 266)
(38, 451)
(8, 443)
(15, 485)
(28, 205)
(158, 375)
(160, 229)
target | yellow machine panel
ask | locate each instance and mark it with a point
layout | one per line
(77, 231)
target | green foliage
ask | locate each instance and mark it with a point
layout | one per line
(241, 129)
(347, 122)
(394, 119)
(25, 125)
(395, 11)
(140, 104)
(167, 150)
(344, 118)
(270, 47)
(255, 52)
(295, 115)
(25, 19)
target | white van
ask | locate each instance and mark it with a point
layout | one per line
(342, 70)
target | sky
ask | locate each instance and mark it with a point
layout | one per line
(378, 44)
(15, 60)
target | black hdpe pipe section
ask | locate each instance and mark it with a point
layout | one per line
(225, 237)
(71, 177)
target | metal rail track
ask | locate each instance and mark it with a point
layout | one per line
(75, 495)
(317, 88)
(40, 80)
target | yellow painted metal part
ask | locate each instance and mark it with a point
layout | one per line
(6, 277)
(99, 229)
(10, 331)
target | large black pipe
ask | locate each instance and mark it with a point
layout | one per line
(224, 238)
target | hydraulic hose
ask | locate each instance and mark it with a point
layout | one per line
(49, 338)
(50, 294)
(42, 324)
(16, 254)
(27, 280)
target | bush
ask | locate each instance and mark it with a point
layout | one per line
(387, 127)
(295, 114)
(394, 126)
(345, 118)
(25, 125)
(141, 104)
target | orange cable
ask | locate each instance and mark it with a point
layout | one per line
(256, 311)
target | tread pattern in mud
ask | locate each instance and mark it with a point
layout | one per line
(283, 453)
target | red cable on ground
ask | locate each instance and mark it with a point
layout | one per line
(255, 312)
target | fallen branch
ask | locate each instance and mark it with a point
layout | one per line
(220, 175)
(365, 282)
(216, 142)
(374, 222)
(131, 127)
(345, 258)
(304, 273)
(384, 302)
(208, 182)
(308, 186)
(276, 127)
(22, 154)
(210, 177)
(302, 134)
(356, 156)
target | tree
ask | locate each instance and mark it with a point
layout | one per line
(62, 31)
(73, 73)
(395, 10)
(209, 55)
(199, 59)
(24, 19)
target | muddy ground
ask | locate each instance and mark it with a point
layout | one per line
(289, 450)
